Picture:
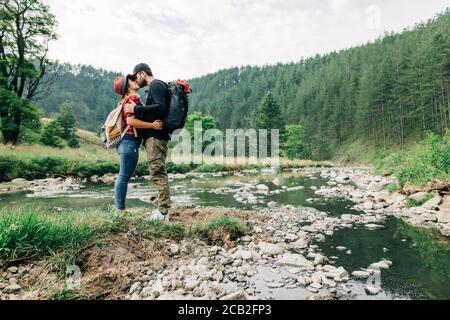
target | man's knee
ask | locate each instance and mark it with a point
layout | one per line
(157, 168)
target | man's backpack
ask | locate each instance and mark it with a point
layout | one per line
(113, 130)
(178, 105)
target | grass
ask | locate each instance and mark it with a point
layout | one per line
(392, 187)
(424, 163)
(410, 203)
(26, 233)
(37, 161)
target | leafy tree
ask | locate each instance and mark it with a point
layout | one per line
(26, 27)
(66, 119)
(294, 144)
(207, 123)
(51, 135)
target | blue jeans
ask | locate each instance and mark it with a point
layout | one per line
(128, 150)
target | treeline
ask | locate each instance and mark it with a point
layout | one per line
(87, 90)
(383, 93)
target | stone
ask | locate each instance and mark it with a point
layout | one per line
(300, 244)
(432, 203)
(136, 287)
(293, 270)
(295, 260)
(418, 196)
(174, 248)
(341, 248)
(278, 181)
(12, 270)
(368, 205)
(370, 290)
(328, 283)
(290, 237)
(357, 194)
(443, 216)
(270, 249)
(12, 288)
(361, 274)
(262, 188)
(243, 254)
(203, 261)
(274, 285)
(379, 265)
(316, 285)
(320, 259)
(190, 284)
(375, 186)
(237, 295)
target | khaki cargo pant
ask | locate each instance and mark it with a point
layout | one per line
(156, 155)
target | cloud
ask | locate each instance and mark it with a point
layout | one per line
(184, 39)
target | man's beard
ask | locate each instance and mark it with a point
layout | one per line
(143, 83)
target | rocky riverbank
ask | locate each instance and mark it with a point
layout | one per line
(277, 252)
(369, 193)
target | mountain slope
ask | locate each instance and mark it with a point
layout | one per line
(384, 93)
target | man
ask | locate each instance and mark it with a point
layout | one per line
(155, 141)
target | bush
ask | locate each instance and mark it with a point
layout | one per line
(431, 161)
(51, 135)
(73, 141)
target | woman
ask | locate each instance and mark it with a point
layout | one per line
(128, 148)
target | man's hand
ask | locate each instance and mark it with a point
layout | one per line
(129, 107)
(157, 125)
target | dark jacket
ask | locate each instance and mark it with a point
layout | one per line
(155, 108)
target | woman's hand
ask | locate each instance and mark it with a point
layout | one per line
(157, 125)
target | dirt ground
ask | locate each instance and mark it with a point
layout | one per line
(109, 267)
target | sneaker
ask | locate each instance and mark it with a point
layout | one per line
(158, 216)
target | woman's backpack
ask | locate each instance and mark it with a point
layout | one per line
(113, 130)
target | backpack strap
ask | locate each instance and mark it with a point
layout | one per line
(125, 131)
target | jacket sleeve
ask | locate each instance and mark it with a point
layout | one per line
(160, 106)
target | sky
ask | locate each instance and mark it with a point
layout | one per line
(190, 38)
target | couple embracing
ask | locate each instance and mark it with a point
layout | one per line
(143, 123)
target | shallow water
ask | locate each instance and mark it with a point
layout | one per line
(421, 260)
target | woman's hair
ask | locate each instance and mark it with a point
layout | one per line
(127, 89)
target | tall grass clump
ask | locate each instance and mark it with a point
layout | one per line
(26, 233)
(426, 162)
(429, 163)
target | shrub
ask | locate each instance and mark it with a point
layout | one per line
(51, 135)
(73, 141)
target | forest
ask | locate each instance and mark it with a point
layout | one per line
(388, 93)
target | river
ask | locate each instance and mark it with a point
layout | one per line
(421, 259)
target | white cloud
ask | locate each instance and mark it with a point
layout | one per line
(184, 39)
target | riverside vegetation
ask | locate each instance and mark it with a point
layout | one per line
(383, 104)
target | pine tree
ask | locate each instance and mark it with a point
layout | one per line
(73, 141)
(51, 135)
(269, 114)
(66, 119)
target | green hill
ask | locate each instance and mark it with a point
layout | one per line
(384, 94)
